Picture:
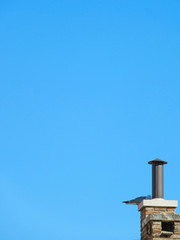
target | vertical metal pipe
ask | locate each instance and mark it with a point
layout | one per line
(157, 178)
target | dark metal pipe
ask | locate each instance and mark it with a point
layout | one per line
(157, 178)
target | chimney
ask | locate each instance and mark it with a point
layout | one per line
(157, 178)
(158, 217)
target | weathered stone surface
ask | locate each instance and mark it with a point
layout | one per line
(164, 217)
(161, 217)
(160, 209)
(177, 228)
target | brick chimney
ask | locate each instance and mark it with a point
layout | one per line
(158, 218)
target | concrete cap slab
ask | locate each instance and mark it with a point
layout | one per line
(157, 202)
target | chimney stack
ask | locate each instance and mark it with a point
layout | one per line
(158, 217)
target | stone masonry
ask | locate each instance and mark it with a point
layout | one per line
(159, 220)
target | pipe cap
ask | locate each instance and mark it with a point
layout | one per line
(158, 161)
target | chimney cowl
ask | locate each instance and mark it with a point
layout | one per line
(158, 161)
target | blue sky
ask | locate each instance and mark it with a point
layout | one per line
(89, 94)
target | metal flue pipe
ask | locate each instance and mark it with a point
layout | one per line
(157, 178)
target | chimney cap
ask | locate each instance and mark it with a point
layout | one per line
(157, 161)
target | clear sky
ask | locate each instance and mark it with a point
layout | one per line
(89, 93)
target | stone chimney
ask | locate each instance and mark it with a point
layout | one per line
(158, 218)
